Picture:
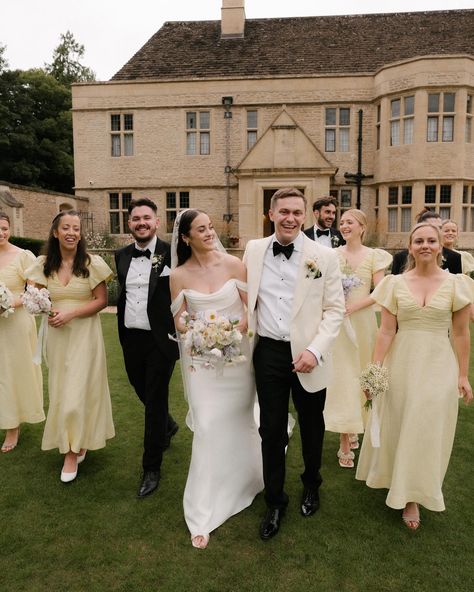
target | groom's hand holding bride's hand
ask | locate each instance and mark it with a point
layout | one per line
(305, 362)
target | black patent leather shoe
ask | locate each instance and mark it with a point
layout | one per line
(150, 481)
(271, 524)
(309, 502)
(172, 429)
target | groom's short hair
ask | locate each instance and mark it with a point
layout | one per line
(142, 201)
(287, 192)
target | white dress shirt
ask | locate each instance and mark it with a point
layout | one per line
(136, 287)
(276, 293)
(323, 239)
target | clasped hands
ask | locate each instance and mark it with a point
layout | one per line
(58, 319)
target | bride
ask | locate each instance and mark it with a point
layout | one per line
(225, 473)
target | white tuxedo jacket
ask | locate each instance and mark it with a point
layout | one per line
(318, 305)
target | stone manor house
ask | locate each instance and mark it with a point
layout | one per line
(219, 114)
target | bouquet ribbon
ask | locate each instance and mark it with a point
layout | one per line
(41, 344)
(375, 426)
(350, 331)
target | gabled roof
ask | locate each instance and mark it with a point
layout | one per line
(300, 46)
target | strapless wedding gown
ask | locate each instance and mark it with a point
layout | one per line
(225, 473)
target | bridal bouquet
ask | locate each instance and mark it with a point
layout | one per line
(36, 301)
(212, 337)
(374, 381)
(349, 282)
(6, 301)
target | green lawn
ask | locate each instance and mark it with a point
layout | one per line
(95, 535)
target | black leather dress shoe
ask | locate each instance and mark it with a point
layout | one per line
(271, 524)
(309, 502)
(172, 429)
(150, 481)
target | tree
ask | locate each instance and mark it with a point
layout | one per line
(35, 130)
(66, 67)
(3, 59)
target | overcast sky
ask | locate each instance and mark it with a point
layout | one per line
(113, 30)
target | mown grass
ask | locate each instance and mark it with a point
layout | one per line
(95, 535)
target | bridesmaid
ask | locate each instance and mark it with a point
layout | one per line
(21, 390)
(80, 413)
(352, 351)
(418, 413)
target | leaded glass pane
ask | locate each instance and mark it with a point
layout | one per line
(433, 103)
(128, 144)
(191, 122)
(344, 140)
(191, 143)
(448, 129)
(251, 119)
(405, 223)
(205, 146)
(205, 120)
(448, 102)
(330, 140)
(115, 145)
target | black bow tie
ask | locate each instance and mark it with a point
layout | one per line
(287, 250)
(322, 232)
(139, 253)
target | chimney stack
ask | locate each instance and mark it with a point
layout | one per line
(232, 19)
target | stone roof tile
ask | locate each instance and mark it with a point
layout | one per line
(300, 45)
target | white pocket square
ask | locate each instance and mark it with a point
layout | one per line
(166, 271)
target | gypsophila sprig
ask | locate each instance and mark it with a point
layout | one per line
(334, 241)
(213, 338)
(6, 301)
(36, 300)
(349, 282)
(156, 261)
(312, 269)
(374, 382)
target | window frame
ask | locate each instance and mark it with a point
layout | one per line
(120, 212)
(337, 131)
(122, 130)
(200, 134)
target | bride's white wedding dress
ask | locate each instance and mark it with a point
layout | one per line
(225, 473)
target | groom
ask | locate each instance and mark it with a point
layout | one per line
(144, 322)
(296, 306)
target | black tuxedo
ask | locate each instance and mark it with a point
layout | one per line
(451, 261)
(332, 232)
(149, 356)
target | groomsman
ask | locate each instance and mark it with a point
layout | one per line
(295, 306)
(144, 322)
(451, 260)
(324, 212)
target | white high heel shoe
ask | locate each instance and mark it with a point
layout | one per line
(68, 477)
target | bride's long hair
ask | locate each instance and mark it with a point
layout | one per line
(183, 250)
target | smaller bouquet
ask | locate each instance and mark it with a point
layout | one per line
(6, 301)
(212, 337)
(374, 381)
(36, 300)
(349, 282)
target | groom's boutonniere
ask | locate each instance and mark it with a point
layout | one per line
(312, 269)
(156, 261)
(334, 241)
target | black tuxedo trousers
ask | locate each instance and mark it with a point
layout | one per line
(275, 380)
(149, 372)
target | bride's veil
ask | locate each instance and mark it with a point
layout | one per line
(174, 240)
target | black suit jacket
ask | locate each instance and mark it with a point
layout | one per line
(159, 299)
(332, 231)
(451, 261)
